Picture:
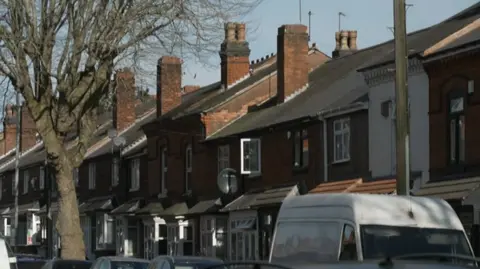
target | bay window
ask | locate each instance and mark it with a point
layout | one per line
(172, 238)
(105, 230)
(213, 232)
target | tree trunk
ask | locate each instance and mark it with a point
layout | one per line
(68, 221)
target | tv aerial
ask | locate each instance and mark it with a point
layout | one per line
(227, 181)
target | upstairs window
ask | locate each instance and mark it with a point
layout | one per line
(164, 169)
(250, 150)
(135, 174)
(341, 140)
(92, 176)
(41, 178)
(223, 158)
(300, 149)
(115, 171)
(456, 129)
(188, 168)
(26, 179)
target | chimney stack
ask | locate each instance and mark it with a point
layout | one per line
(169, 84)
(190, 88)
(292, 61)
(124, 105)
(346, 43)
(28, 130)
(234, 54)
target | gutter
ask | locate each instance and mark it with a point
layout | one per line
(325, 149)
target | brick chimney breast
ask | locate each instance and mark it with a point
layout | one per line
(292, 61)
(9, 128)
(28, 137)
(124, 104)
(169, 84)
(234, 54)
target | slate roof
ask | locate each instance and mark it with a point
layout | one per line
(419, 41)
(471, 38)
(334, 84)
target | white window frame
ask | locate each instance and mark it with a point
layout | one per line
(41, 178)
(212, 232)
(92, 176)
(115, 171)
(76, 176)
(243, 156)
(223, 157)
(164, 169)
(135, 174)
(26, 179)
(341, 132)
(103, 219)
(7, 232)
(188, 167)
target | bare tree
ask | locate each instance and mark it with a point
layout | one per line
(60, 55)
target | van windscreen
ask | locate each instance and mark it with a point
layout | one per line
(379, 241)
(305, 242)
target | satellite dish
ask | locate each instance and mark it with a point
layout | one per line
(119, 141)
(227, 181)
(112, 133)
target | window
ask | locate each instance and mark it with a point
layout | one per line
(172, 238)
(164, 169)
(105, 231)
(457, 130)
(135, 174)
(213, 232)
(26, 178)
(223, 157)
(188, 168)
(41, 181)
(341, 140)
(348, 252)
(115, 171)
(243, 239)
(7, 227)
(298, 242)
(250, 149)
(148, 241)
(92, 176)
(300, 149)
(76, 176)
(120, 240)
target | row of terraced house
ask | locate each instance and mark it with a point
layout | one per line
(291, 123)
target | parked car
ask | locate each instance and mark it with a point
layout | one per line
(7, 258)
(184, 262)
(112, 262)
(29, 261)
(67, 264)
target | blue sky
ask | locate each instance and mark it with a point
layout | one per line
(371, 18)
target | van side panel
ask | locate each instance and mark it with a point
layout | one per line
(317, 212)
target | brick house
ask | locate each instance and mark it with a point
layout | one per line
(182, 168)
(454, 105)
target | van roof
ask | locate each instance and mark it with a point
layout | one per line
(374, 209)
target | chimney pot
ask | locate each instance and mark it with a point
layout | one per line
(229, 31)
(352, 36)
(292, 62)
(344, 40)
(240, 29)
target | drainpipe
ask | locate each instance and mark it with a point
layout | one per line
(325, 149)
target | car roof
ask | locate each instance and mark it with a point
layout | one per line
(193, 259)
(124, 259)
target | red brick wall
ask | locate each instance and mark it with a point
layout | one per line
(125, 99)
(444, 77)
(169, 84)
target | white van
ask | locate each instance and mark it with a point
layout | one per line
(330, 227)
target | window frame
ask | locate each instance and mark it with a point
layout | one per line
(223, 157)
(92, 176)
(26, 179)
(342, 242)
(134, 174)
(298, 139)
(457, 117)
(243, 157)
(104, 219)
(41, 178)
(115, 171)
(213, 232)
(188, 167)
(341, 132)
(164, 168)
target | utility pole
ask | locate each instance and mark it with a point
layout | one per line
(17, 172)
(309, 25)
(401, 99)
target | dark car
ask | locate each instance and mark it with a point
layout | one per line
(112, 262)
(67, 264)
(30, 261)
(183, 262)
